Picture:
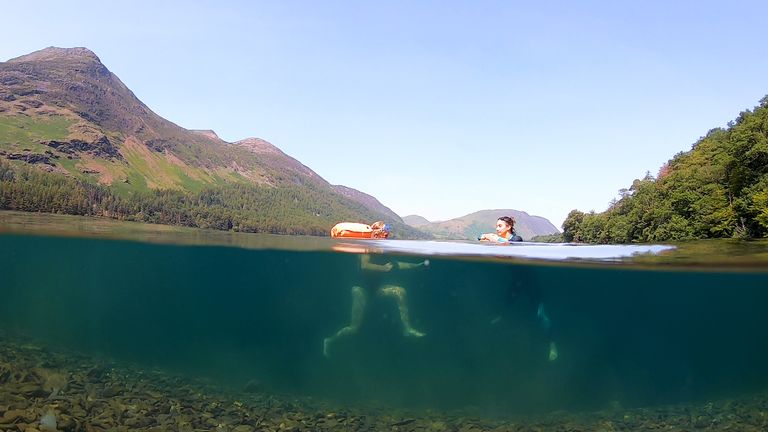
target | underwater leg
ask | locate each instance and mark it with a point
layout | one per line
(399, 294)
(356, 319)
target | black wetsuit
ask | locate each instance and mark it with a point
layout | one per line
(523, 284)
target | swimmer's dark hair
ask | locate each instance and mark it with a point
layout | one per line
(509, 221)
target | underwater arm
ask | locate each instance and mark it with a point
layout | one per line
(366, 264)
(408, 266)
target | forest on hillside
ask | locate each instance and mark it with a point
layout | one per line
(299, 209)
(718, 189)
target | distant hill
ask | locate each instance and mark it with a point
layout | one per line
(470, 226)
(96, 149)
(416, 221)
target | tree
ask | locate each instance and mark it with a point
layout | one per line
(572, 225)
(717, 189)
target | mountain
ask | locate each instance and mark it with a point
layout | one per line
(416, 221)
(62, 111)
(284, 166)
(367, 200)
(75, 105)
(470, 226)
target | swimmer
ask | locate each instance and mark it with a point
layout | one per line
(378, 275)
(524, 285)
(505, 231)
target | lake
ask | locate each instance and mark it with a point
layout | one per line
(254, 331)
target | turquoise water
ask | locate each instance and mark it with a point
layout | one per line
(626, 335)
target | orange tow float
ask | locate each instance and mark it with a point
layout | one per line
(377, 230)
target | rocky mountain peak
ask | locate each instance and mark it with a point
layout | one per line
(59, 54)
(75, 79)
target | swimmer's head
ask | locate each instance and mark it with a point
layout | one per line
(380, 229)
(504, 225)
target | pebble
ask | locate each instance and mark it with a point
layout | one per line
(103, 396)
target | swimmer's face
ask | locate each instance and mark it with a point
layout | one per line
(502, 227)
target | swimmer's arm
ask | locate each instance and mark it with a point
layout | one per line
(366, 264)
(407, 266)
(493, 238)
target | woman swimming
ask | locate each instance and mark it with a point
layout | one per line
(505, 231)
(521, 286)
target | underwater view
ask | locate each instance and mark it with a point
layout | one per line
(120, 326)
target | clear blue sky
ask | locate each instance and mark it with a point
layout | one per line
(448, 107)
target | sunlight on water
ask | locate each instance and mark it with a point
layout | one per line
(541, 251)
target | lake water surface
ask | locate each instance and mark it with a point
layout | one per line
(632, 327)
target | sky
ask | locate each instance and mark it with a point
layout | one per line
(436, 108)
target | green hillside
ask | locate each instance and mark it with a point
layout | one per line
(74, 139)
(237, 207)
(718, 189)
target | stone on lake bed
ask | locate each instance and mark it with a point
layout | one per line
(12, 415)
(111, 391)
(32, 390)
(48, 422)
(252, 386)
(52, 380)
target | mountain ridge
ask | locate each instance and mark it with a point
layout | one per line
(469, 226)
(63, 111)
(367, 200)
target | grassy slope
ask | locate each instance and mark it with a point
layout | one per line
(18, 132)
(141, 170)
